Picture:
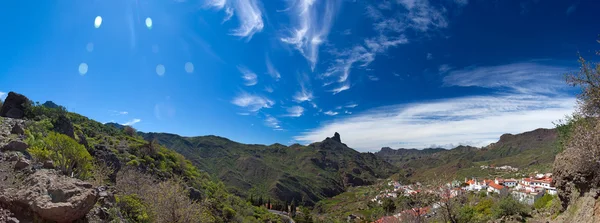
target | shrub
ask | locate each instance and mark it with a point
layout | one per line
(130, 131)
(543, 202)
(508, 206)
(132, 208)
(71, 158)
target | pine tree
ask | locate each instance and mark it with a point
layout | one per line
(293, 208)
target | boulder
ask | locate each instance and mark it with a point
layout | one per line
(194, 194)
(51, 196)
(13, 157)
(22, 164)
(63, 125)
(17, 129)
(14, 106)
(103, 154)
(48, 164)
(15, 145)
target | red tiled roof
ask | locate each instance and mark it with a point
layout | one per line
(387, 219)
(496, 186)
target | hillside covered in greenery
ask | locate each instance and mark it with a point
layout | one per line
(304, 174)
(534, 150)
(143, 180)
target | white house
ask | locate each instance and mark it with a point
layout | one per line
(496, 188)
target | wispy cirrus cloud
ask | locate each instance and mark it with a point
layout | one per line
(132, 122)
(339, 89)
(271, 69)
(294, 111)
(249, 77)
(419, 16)
(313, 21)
(476, 121)
(330, 113)
(273, 123)
(247, 11)
(526, 77)
(115, 112)
(251, 102)
(351, 106)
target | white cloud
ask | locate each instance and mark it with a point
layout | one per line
(312, 25)
(252, 102)
(475, 121)
(373, 78)
(271, 70)
(520, 77)
(132, 121)
(444, 68)
(338, 107)
(2, 94)
(295, 111)
(272, 123)
(248, 14)
(248, 76)
(461, 2)
(422, 16)
(114, 112)
(303, 95)
(429, 56)
(348, 112)
(330, 113)
(351, 106)
(339, 89)
(269, 89)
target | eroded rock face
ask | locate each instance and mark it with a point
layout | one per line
(63, 125)
(14, 106)
(15, 145)
(51, 196)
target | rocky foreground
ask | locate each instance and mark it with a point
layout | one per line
(35, 192)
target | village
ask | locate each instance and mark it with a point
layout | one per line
(525, 190)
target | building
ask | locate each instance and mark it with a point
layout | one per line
(528, 197)
(496, 188)
(510, 183)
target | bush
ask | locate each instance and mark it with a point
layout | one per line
(543, 202)
(132, 208)
(130, 131)
(508, 206)
(71, 158)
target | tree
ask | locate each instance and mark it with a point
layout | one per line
(388, 205)
(269, 203)
(252, 199)
(130, 131)
(260, 201)
(285, 206)
(508, 206)
(293, 208)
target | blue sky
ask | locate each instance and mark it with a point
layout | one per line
(405, 73)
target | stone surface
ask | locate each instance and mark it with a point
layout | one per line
(14, 106)
(22, 164)
(63, 125)
(17, 129)
(48, 164)
(15, 145)
(51, 196)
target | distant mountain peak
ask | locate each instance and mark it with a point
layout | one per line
(336, 137)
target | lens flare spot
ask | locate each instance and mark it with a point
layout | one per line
(160, 70)
(98, 22)
(89, 47)
(189, 67)
(149, 23)
(83, 68)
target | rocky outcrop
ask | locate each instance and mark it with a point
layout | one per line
(22, 163)
(17, 129)
(14, 106)
(577, 168)
(51, 196)
(585, 209)
(15, 145)
(63, 125)
(103, 154)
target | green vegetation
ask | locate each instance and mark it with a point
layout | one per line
(170, 178)
(508, 206)
(69, 156)
(530, 152)
(305, 174)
